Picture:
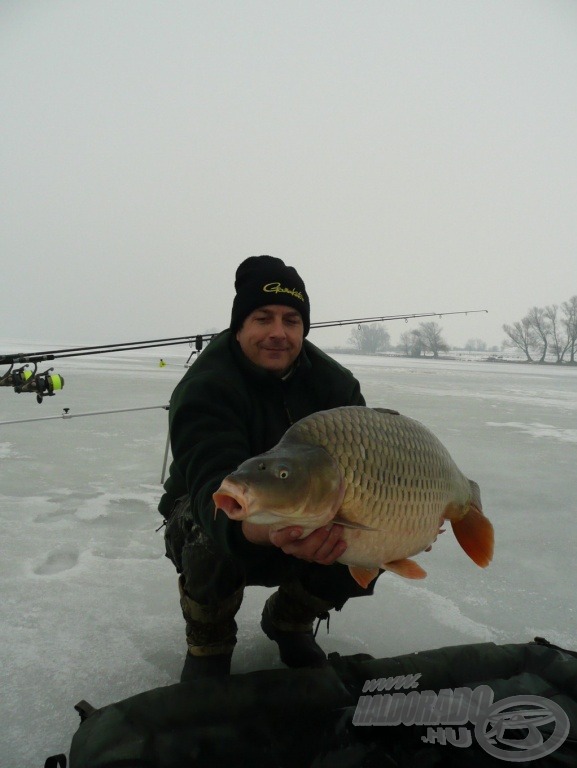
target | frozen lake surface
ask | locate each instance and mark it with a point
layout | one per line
(89, 604)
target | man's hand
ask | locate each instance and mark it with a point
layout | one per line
(323, 546)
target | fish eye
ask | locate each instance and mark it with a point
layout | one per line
(283, 473)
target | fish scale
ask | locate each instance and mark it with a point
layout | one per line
(381, 460)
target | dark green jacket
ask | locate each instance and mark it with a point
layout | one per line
(226, 409)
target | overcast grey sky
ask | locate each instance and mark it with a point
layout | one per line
(404, 155)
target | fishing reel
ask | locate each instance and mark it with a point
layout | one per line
(44, 384)
(15, 378)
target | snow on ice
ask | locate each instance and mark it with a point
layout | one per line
(89, 604)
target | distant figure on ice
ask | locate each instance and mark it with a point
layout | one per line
(252, 382)
(161, 363)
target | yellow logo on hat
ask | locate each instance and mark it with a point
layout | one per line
(278, 288)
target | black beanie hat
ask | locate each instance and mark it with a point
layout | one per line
(262, 280)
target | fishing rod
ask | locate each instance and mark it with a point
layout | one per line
(53, 354)
(197, 339)
(406, 318)
(46, 383)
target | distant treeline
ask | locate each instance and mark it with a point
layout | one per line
(546, 332)
(373, 338)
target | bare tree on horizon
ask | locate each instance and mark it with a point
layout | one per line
(542, 331)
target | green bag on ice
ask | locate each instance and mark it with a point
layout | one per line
(445, 707)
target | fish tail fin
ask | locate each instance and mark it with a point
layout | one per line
(474, 531)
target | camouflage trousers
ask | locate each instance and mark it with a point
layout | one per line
(212, 582)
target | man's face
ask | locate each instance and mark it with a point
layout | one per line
(272, 337)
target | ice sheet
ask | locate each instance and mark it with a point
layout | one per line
(89, 602)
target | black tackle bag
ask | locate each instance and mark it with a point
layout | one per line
(455, 707)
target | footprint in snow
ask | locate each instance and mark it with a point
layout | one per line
(57, 561)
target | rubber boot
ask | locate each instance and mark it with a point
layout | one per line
(288, 618)
(196, 667)
(210, 635)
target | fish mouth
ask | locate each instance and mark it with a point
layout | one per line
(231, 499)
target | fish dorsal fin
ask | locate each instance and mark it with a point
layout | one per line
(407, 568)
(348, 524)
(387, 410)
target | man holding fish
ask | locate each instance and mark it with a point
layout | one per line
(320, 492)
(245, 390)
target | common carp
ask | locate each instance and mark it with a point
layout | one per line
(383, 476)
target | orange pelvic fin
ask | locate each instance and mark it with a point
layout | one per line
(475, 535)
(407, 568)
(363, 576)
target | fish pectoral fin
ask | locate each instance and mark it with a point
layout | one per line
(348, 524)
(407, 568)
(474, 533)
(363, 576)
